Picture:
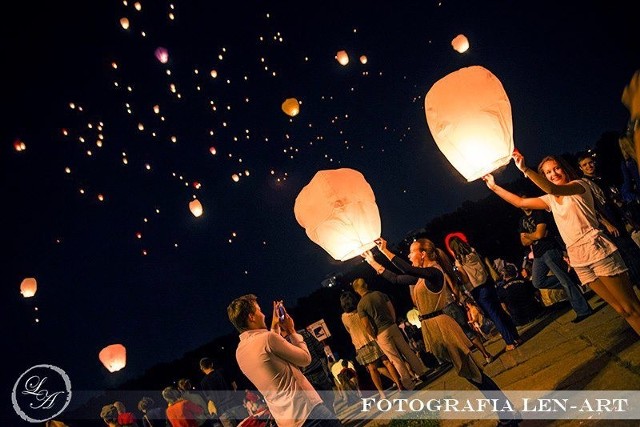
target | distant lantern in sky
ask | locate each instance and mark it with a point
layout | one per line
(214, 73)
(342, 57)
(19, 145)
(113, 357)
(162, 55)
(363, 59)
(291, 107)
(156, 109)
(138, 6)
(338, 211)
(460, 43)
(469, 116)
(195, 207)
(235, 177)
(213, 150)
(28, 287)
(124, 22)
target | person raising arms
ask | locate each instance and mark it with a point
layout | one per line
(595, 259)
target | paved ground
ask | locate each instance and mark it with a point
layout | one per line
(600, 353)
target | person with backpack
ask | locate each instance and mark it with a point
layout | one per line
(474, 274)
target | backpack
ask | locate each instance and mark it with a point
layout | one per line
(475, 269)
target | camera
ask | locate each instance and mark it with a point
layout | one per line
(281, 312)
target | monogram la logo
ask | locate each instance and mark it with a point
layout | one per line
(41, 393)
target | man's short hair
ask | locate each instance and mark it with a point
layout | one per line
(206, 363)
(240, 309)
(359, 283)
(109, 413)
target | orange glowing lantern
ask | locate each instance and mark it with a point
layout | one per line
(28, 287)
(338, 211)
(19, 145)
(291, 107)
(342, 57)
(113, 357)
(469, 116)
(195, 207)
(413, 318)
(460, 43)
(124, 22)
(363, 59)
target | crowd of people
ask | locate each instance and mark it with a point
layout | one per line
(458, 295)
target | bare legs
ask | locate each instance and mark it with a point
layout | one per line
(619, 294)
(395, 376)
(477, 342)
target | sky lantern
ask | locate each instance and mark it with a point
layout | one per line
(412, 317)
(195, 207)
(291, 107)
(363, 59)
(113, 357)
(469, 116)
(338, 211)
(28, 287)
(214, 73)
(162, 55)
(19, 145)
(124, 22)
(342, 57)
(460, 43)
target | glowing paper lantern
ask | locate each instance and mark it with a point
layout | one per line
(162, 55)
(28, 287)
(460, 43)
(113, 357)
(363, 59)
(195, 207)
(338, 211)
(342, 57)
(469, 116)
(412, 317)
(291, 107)
(124, 22)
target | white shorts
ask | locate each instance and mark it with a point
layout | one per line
(611, 265)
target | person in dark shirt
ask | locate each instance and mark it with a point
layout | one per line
(217, 389)
(317, 372)
(547, 256)
(518, 296)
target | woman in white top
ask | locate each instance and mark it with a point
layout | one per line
(595, 259)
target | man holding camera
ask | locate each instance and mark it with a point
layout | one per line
(272, 364)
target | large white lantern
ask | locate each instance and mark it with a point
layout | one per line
(338, 211)
(469, 116)
(113, 357)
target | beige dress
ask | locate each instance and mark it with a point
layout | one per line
(442, 335)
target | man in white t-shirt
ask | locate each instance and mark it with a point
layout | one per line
(272, 364)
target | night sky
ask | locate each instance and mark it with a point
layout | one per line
(98, 200)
